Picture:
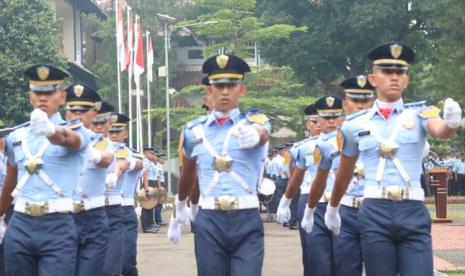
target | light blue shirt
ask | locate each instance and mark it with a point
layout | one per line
(2, 169)
(131, 179)
(246, 162)
(460, 166)
(305, 161)
(92, 181)
(62, 165)
(160, 172)
(357, 185)
(411, 139)
(151, 168)
(330, 156)
(121, 152)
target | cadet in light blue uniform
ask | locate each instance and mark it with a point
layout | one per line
(226, 150)
(358, 96)
(326, 155)
(113, 195)
(303, 175)
(161, 185)
(150, 180)
(131, 180)
(45, 158)
(83, 102)
(394, 223)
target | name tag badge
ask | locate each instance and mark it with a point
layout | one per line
(364, 133)
(196, 141)
(17, 143)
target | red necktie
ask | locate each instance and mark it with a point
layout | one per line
(385, 112)
(221, 121)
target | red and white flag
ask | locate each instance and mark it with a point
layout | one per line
(149, 57)
(121, 44)
(130, 44)
(138, 54)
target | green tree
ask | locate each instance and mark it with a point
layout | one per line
(28, 36)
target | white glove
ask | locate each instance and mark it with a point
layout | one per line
(332, 219)
(452, 113)
(40, 124)
(111, 180)
(95, 156)
(174, 231)
(2, 229)
(283, 214)
(307, 220)
(182, 212)
(194, 210)
(248, 137)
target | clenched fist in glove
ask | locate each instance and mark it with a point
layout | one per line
(307, 220)
(182, 212)
(452, 113)
(174, 231)
(283, 214)
(332, 219)
(248, 137)
(40, 123)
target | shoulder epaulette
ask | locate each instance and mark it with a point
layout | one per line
(316, 155)
(429, 112)
(101, 144)
(415, 105)
(122, 153)
(197, 121)
(256, 117)
(339, 140)
(136, 154)
(355, 115)
(72, 124)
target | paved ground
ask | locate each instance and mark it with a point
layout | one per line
(157, 256)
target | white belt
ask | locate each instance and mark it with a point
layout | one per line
(37, 209)
(394, 193)
(228, 203)
(325, 198)
(89, 203)
(352, 201)
(113, 200)
(127, 201)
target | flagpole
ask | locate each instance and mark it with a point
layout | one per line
(149, 119)
(117, 56)
(130, 78)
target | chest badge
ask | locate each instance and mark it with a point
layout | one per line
(223, 163)
(388, 149)
(408, 124)
(33, 164)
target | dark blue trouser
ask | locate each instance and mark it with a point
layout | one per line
(8, 214)
(304, 236)
(130, 241)
(294, 207)
(93, 232)
(113, 265)
(158, 209)
(229, 243)
(44, 245)
(346, 246)
(396, 237)
(146, 218)
(319, 246)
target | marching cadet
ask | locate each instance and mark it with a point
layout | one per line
(358, 96)
(91, 221)
(149, 180)
(227, 149)
(161, 187)
(131, 179)
(303, 175)
(282, 168)
(45, 157)
(102, 123)
(113, 264)
(326, 155)
(394, 223)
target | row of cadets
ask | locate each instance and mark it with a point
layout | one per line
(45, 157)
(394, 224)
(227, 149)
(83, 103)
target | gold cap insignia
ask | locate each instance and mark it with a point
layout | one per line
(98, 106)
(361, 81)
(330, 101)
(396, 50)
(114, 118)
(78, 90)
(43, 72)
(222, 61)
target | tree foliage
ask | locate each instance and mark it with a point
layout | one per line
(28, 36)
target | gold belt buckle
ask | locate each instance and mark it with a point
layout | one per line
(33, 164)
(36, 210)
(356, 202)
(107, 201)
(226, 203)
(223, 163)
(78, 206)
(394, 192)
(327, 196)
(388, 149)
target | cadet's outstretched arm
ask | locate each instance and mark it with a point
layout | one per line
(344, 174)
(294, 183)
(9, 185)
(318, 187)
(187, 178)
(65, 137)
